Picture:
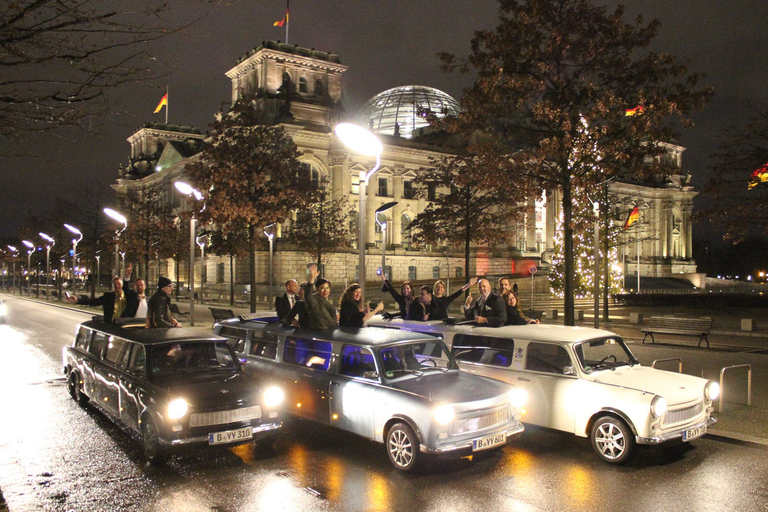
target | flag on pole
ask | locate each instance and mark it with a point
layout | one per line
(283, 21)
(759, 176)
(632, 112)
(163, 102)
(634, 216)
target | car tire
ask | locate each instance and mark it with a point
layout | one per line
(75, 388)
(613, 440)
(150, 441)
(403, 447)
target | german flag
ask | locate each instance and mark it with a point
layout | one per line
(163, 102)
(632, 112)
(283, 21)
(634, 216)
(758, 176)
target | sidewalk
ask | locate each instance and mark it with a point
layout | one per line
(729, 347)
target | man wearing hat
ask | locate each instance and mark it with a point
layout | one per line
(159, 306)
(322, 314)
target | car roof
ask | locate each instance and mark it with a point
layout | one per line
(362, 336)
(137, 333)
(531, 332)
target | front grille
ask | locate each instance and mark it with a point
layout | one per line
(497, 417)
(204, 419)
(679, 415)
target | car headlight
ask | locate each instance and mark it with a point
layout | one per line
(273, 396)
(658, 406)
(177, 408)
(444, 414)
(518, 397)
(712, 390)
(2, 309)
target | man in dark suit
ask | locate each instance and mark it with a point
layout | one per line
(120, 303)
(489, 309)
(284, 302)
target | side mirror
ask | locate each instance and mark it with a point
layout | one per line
(569, 370)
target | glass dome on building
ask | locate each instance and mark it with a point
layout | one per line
(400, 105)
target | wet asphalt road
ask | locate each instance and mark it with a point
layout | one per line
(57, 456)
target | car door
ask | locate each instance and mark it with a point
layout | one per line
(550, 400)
(91, 362)
(132, 383)
(109, 371)
(352, 391)
(304, 376)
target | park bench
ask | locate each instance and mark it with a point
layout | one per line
(211, 297)
(221, 314)
(178, 314)
(700, 327)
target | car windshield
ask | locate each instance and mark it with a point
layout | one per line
(604, 354)
(415, 358)
(191, 356)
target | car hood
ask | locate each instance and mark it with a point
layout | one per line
(674, 387)
(453, 387)
(205, 389)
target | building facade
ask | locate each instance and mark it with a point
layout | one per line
(302, 88)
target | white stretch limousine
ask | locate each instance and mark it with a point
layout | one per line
(581, 380)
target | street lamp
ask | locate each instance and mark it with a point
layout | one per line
(201, 240)
(271, 236)
(188, 190)
(98, 271)
(48, 246)
(361, 141)
(381, 220)
(31, 248)
(13, 276)
(76, 231)
(119, 218)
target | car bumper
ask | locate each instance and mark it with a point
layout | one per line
(675, 434)
(466, 444)
(260, 432)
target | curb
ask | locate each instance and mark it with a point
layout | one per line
(742, 438)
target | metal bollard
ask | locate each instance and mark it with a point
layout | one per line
(679, 366)
(749, 384)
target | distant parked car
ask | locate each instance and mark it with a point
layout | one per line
(3, 311)
(401, 389)
(172, 387)
(581, 380)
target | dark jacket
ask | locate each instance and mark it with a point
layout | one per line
(515, 316)
(159, 310)
(403, 302)
(107, 301)
(299, 309)
(283, 305)
(434, 309)
(322, 314)
(494, 309)
(350, 315)
(446, 301)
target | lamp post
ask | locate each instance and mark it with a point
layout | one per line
(51, 243)
(381, 220)
(188, 190)
(271, 236)
(31, 248)
(119, 217)
(361, 141)
(75, 241)
(201, 243)
(98, 271)
(13, 275)
(596, 208)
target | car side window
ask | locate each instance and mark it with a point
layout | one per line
(546, 357)
(472, 355)
(117, 351)
(83, 337)
(238, 345)
(264, 348)
(355, 361)
(138, 364)
(306, 352)
(502, 358)
(96, 347)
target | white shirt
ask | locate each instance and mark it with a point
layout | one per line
(142, 311)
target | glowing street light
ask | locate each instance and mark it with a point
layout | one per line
(271, 236)
(13, 276)
(361, 141)
(31, 248)
(51, 243)
(381, 220)
(119, 217)
(75, 241)
(188, 190)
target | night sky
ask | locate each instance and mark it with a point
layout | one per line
(385, 43)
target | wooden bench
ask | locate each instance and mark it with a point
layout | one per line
(700, 327)
(221, 314)
(211, 297)
(178, 314)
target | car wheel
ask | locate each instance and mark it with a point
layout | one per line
(403, 447)
(75, 388)
(613, 440)
(150, 439)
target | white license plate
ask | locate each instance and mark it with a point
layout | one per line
(693, 433)
(489, 442)
(230, 436)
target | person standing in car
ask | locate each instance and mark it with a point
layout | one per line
(159, 306)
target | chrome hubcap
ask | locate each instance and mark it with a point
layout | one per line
(400, 448)
(610, 441)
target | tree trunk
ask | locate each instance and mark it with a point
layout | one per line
(567, 256)
(252, 271)
(606, 265)
(231, 279)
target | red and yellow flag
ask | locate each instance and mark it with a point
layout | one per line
(284, 20)
(631, 112)
(634, 216)
(163, 102)
(758, 176)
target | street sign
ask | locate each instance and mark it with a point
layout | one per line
(532, 269)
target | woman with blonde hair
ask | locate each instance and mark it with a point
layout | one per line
(352, 309)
